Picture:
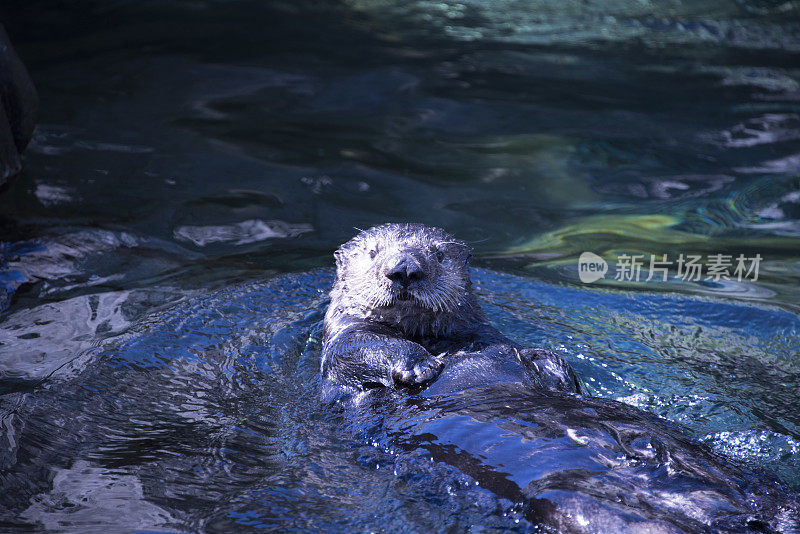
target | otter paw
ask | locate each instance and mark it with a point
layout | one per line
(416, 373)
(548, 370)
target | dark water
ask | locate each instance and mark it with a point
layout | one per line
(165, 254)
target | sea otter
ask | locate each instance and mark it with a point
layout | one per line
(402, 309)
(419, 370)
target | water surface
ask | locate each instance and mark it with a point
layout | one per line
(165, 254)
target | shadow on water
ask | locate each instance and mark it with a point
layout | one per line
(196, 162)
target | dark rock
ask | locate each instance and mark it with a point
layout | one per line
(18, 110)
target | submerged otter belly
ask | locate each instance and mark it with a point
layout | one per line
(580, 464)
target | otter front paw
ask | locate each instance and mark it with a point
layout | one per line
(416, 372)
(548, 370)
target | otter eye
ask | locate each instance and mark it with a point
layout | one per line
(440, 256)
(372, 254)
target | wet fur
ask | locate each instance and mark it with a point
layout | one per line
(379, 335)
(507, 416)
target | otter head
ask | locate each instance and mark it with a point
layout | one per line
(404, 267)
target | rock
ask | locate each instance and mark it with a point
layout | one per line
(18, 110)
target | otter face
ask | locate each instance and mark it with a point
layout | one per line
(405, 265)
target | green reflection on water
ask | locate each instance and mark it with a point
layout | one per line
(611, 236)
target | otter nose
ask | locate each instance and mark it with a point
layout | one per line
(405, 271)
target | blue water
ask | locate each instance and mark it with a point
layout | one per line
(166, 253)
(205, 415)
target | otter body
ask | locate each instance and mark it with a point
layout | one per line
(410, 353)
(402, 311)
